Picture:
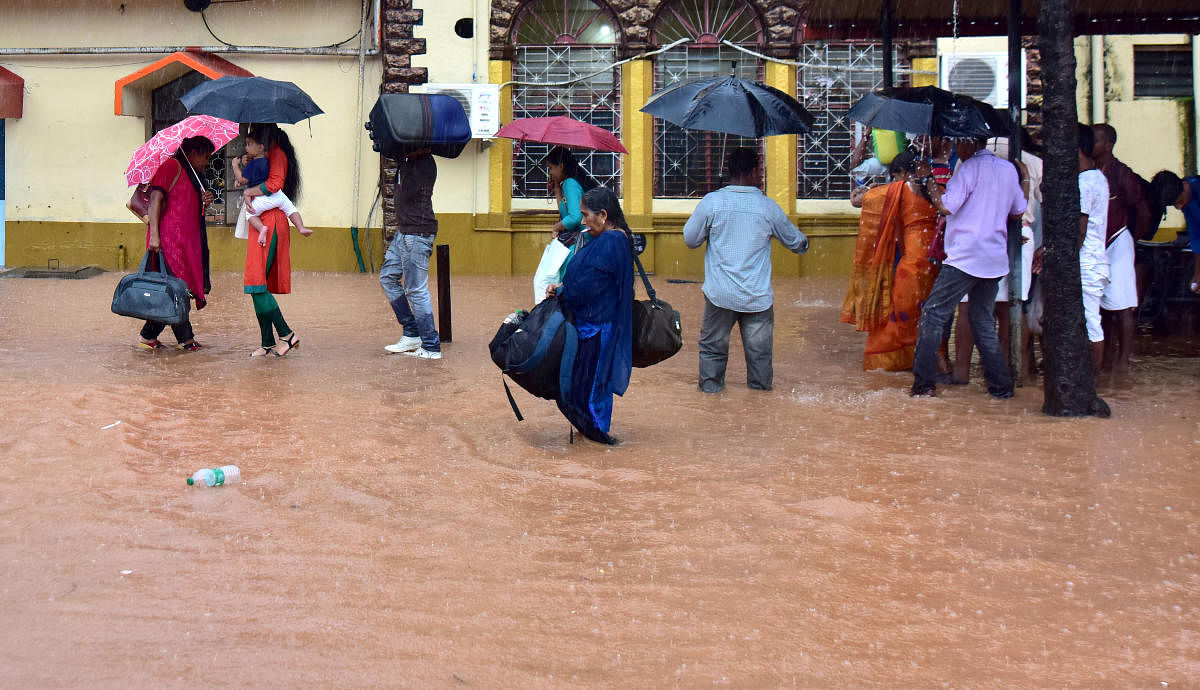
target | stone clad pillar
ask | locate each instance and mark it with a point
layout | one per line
(399, 46)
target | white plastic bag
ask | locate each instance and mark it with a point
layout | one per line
(549, 269)
(242, 230)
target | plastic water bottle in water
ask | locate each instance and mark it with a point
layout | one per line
(228, 474)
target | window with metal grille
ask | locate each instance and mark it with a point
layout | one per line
(556, 42)
(833, 77)
(1162, 72)
(166, 110)
(691, 163)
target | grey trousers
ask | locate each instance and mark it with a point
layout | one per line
(758, 339)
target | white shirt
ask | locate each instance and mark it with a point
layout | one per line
(1093, 202)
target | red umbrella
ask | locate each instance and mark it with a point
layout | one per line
(150, 155)
(562, 130)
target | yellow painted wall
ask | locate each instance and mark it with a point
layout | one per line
(450, 58)
(66, 156)
(87, 23)
(637, 131)
(1152, 133)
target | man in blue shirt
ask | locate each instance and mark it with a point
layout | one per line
(1184, 195)
(738, 222)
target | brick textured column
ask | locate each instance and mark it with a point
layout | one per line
(399, 46)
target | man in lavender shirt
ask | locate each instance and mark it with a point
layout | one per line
(983, 193)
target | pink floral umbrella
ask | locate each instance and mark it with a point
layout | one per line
(150, 155)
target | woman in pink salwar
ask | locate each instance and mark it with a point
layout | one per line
(176, 229)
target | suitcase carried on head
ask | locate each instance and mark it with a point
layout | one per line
(404, 122)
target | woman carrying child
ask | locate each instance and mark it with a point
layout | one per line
(268, 257)
(252, 170)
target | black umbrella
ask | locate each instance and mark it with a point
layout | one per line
(929, 110)
(251, 99)
(732, 106)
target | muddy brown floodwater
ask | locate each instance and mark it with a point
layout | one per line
(396, 526)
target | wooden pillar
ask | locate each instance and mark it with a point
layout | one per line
(780, 164)
(1070, 389)
(500, 153)
(637, 134)
(885, 32)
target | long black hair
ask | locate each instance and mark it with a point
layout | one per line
(194, 145)
(560, 155)
(270, 135)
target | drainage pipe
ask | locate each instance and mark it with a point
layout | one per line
(1196, 98)
(126, 50)
(1098, 114)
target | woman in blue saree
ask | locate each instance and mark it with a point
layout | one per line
(597, 291)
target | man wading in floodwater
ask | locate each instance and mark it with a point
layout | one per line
(983, 193)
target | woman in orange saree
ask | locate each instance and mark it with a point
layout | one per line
(892, 274)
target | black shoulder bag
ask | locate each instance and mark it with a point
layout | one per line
(657, 333)
(153, 295)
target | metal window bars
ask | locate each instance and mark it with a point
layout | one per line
(690, 163)
(595, 100)
(833, 78)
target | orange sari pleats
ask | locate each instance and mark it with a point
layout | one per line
(868, 299)
(892, 274)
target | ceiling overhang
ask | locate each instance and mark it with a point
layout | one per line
(133, 90)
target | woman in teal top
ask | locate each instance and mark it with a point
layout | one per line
(568, 181)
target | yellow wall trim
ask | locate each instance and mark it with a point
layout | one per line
(512, 249)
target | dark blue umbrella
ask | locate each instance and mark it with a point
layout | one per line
(732, 106)
(251, 99)
(929, 110)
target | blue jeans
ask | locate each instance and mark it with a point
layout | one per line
(405, 280)
(948, 290)
(758, 340)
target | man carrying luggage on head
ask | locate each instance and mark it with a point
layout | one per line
(405, 272)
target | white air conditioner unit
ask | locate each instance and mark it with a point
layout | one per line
(481, 101)
(980, 75)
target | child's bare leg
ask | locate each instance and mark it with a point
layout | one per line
(299, 223)
(258, 225)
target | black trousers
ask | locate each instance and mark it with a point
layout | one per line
(183, 331)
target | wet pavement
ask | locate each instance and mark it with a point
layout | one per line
(396, 525)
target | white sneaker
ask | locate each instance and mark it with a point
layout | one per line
(422, 353)
(405, 344)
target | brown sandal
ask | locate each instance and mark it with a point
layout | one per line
(262, 352)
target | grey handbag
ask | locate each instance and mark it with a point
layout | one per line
(153, 295)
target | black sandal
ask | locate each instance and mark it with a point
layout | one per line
(291, 341)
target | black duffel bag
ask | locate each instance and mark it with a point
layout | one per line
(657, 332)
(529, 348)
(153, 295)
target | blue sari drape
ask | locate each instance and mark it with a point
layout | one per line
(598, 292)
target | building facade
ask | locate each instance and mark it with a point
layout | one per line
(94, 80)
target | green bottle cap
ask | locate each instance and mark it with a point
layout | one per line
(190, 481)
